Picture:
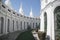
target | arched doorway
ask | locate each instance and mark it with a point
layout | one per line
(33, 25)
(24, 25)
(2, 23)
(13, 25)
(57, 22)
(21, 24)
(45, 22)
(17, 25)
(8, 25)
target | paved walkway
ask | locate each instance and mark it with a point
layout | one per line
(10, 36)
(14, 35)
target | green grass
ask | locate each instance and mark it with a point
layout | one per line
(25, 36)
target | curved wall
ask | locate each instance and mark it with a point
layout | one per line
(16, 21)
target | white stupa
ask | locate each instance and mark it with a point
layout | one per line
(31, 14)
(21, 10)
(8, 3)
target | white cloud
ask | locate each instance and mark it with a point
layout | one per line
(8, 3)
(21, 10)
(31, 14)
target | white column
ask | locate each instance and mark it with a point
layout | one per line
(49, 23)
(53, 33)
(22, 25)
(42, 23)
(6, 24)
(49, 26)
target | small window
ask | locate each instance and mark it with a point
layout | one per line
(27, 17)
(24, 16)
(9, 10)
(3, 6)
(13, 12)
(30, 18)
(17, 14)
(21, 15)
(36, 18)
(33, 18)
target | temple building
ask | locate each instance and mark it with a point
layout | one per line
(11, 21)
(50, 18)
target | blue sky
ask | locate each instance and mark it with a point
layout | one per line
(27, 4)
